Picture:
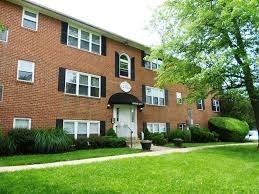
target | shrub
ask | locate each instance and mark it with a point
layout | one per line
(23, 140)
(229, 129)
(82, 143)
(96, 142)
(201, 135)
(185, 135)
(52, 141)
(111, 133)
(178, 142)
(159, 139)
(147, 134)
(7, 146)
(114, 142)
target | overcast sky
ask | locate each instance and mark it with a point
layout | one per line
(128, 18)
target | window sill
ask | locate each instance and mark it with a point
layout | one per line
(155, 105)
(95, 98)
(29, 29)
(4, 42)
(122, 77)
(25, 82)
(96, 54)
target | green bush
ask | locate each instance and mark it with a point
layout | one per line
(229, 129)
(178, 142)
(114, 142)
(159, 139)
(7, 146)
(201, 135)
(52, 141)
(185, 135)
(111, 133)
(82, 143)
(23, 140)
(147, 134)
(96, 142)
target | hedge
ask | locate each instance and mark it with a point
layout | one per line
(229, 129)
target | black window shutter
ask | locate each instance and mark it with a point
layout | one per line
(144, 125)
(142, 58)
(59, 123)
(144, 93)
(103, 45)
(133, 68)
(203, 102)
(166, 97)
(212, 106)
(61, 79)
(117, 64)
(103, 86)
(102, 128)
(64, 27)
(197, 104)
(168, 128)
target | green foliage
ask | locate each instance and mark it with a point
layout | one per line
(52, 141)
(23, 140)
(185, 135)
(202, 135)
(147, 134)
(236, 105)
(229, 129)
(178, 142)
(111, 133)
(106, 141)
(82, 143)
(7, 146)
(157, 138)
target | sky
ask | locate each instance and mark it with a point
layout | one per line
(128, 18)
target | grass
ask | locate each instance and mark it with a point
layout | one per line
(189, 145)
(79, 154)
(215, 170)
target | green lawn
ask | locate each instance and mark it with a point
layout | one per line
(189, 145)
(79, 154)
(214, 170)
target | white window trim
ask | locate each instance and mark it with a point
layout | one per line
(200, 102)
(129, 66)
(156, 61)
(36, 19)
(159, 129)
(89, 84)
(79, 40)
(82, 121)
(33, 71)
(217, 105)
(16, 118)
(2, 95)
(179, 100)
(152, 91)
(7, 35)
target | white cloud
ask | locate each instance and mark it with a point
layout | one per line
(128, 18)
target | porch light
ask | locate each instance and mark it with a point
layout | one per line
(108, 106)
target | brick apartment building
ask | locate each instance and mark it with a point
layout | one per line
(58, 71)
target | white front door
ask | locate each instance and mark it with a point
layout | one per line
(125, 120)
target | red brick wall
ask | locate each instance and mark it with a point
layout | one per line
(41, 100)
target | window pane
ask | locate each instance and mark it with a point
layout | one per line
(147, 65)
(154, 66)
(84, 45)
(149, 99)
(25, 66)
(1, 93)
(95, 92)
(148, 91)
(124, 57)
(24, 75)
(150, 127)
(69, 127)
(3, 35)
(73, 31)
(94, 128)
(70, 77)
(82, 128)
(123, 65)
(83, 90)
(124, 73)
(155, 100)
(72, 41)
(95, 48)
(21, 124)
(95, 81)
(70, 88)
(84, 35)
(162, 101)
(96, 39)
(29, 24)
(83, 79)
(156, 128)
(162, 127)
(33, 15)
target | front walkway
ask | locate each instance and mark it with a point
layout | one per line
(161, 151)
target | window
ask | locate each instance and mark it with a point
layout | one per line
(179, 99)
(30, 19)
(83, 128)
(215, 105)
(200, 105)
(181, 126)
(82, 84)
(84, 40)
(124, 66)
(4, 35)
(156, 127)
(155, 96)
(22, 123)
(153, 65)
(25, 71)
(1, 93)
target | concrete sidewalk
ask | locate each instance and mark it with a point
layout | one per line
(162, 151)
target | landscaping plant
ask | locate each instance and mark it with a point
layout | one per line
(202, 135)
(185, 135)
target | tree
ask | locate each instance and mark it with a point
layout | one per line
(209, 46)
(236, 105)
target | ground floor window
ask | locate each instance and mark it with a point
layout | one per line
(156, 127)
(81, 128)
(22, 123)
